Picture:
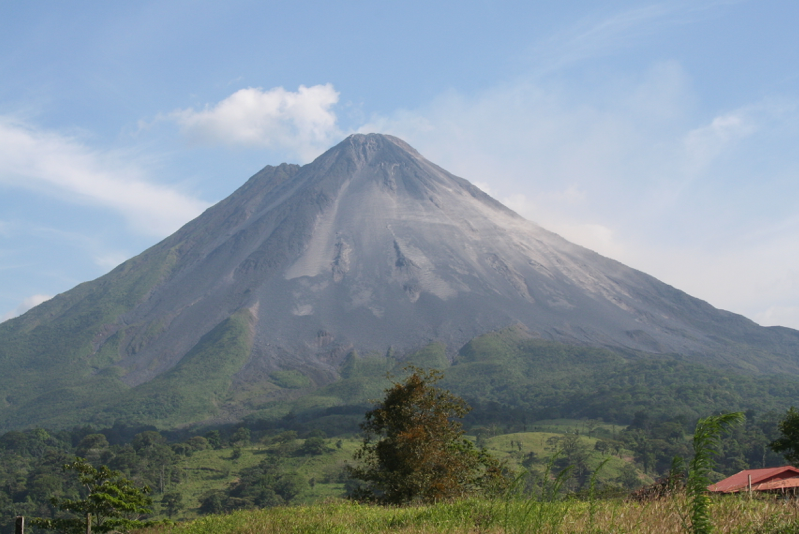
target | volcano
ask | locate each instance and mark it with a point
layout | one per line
(369, 249)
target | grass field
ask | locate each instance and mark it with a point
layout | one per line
(730, 515)
(210, 470)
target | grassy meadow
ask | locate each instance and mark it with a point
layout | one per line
(215, 470)
(731, 514)
(211, 470)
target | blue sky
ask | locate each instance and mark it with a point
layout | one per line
(663, 135)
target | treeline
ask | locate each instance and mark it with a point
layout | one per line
(656, 441)
(653, 441)
(273, 481)
(31, 466)
(614, 392)
(512, 380)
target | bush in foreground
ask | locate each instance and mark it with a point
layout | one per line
(414, 450)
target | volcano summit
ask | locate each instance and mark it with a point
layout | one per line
(370, 248)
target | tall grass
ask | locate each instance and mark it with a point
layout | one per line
(730, 515)
(707, 438)
(543, 510)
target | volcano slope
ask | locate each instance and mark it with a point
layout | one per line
(371, 250)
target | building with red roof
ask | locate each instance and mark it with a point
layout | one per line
(769, 479)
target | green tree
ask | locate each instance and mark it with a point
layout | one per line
(573, 455)
(197, 443)
(241, 437)
(147, 441)
(314, 446)
(289, 485)
(212, 503)
(214, 439)
(413, 448)
(788, 442)
(172, 503)
(91, 445)
(285, 437)
(112, 502)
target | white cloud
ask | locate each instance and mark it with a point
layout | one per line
(706, 143)
(302, 121)
(484, 187)
(779, 315)
(26, 305)
(626, 170)
(62, 166)
(758, 280)
(592, 235)
(569, 152)
(592, 37)
(603, 33)
(101, 254)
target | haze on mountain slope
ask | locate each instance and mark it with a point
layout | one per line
(369, 248)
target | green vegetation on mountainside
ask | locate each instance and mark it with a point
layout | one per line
(511, 379)
(365, 378)
(507, 377)
(191, 391)
(197, 385)
(53, 348)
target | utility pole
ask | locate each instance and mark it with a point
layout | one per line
(88, 523)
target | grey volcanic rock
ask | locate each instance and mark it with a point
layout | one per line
(372, 247)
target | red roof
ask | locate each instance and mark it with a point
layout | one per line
(785, 483)
(740, 481)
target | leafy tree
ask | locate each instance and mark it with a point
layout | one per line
(212, 503)
(198, 443)
(112, 502)
(172, 503)
(572, 454)
(628, 477)
(413, 449)
(260, 486)
(314, 446)
(285, 437)
(91, 445)
(241, 437)
(289, 485)
(788, 442)
(214, 439)
(147, 441)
